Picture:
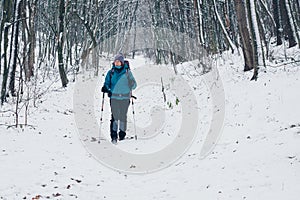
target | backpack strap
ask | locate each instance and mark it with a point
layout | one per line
(127, 69)
(127, 63)
(112, 72)
(110, 75)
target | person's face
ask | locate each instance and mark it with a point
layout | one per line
(118, 63)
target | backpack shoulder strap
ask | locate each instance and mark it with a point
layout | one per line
(112, 72)
(128, 68)
(127, 63)
(110, 75)
(130, 82)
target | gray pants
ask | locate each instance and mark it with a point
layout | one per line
(119, 109)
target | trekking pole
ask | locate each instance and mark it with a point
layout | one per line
(133, 97)
(102, 106)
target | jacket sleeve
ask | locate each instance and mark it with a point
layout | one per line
(132, 81)
(107, 82)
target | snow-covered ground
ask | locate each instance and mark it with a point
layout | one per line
(257, 156)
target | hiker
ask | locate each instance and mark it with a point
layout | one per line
(119, 83)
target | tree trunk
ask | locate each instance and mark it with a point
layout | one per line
(256, 37)
(286, 24)
(231, 45)
(264, 43)
(62, 72)
(277, 21)
(15, 54)
(25, 41)
(292, 23)
(198, 22)
(31, 38)
(7, 6)
(246, 39)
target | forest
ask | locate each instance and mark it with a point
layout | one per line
(54, 40)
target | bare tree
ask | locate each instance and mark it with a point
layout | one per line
(5, 25)
(286, 25)
(248, 49)
(35, 34)
(60, 43)
(16, 48)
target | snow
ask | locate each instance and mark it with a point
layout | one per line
(256, 157)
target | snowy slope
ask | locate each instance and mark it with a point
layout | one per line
(257, 156)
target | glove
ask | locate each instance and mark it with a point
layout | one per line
(104, 89)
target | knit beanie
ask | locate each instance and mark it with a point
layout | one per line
(119, 57)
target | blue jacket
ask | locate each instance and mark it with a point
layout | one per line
(120, 82)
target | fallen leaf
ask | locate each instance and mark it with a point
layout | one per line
(56, 195)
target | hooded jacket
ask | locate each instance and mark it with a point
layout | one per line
(120, 81)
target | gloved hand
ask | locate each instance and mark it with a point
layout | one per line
(104, 89)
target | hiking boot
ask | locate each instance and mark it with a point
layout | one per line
(122, 135)
(114, 136)
(114, 141)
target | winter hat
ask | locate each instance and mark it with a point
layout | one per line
(119, 57)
